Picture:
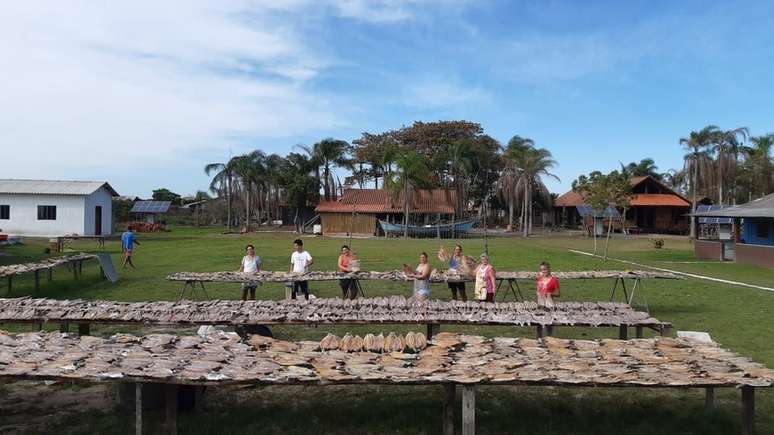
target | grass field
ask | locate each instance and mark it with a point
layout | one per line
(742, 319)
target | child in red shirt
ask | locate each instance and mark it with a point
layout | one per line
(547, 286)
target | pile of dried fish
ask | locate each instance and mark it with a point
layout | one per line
(393, 309)
(399, 275)
(17, 269)
(375, 343)
(223, 358)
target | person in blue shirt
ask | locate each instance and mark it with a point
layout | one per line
(127, 246)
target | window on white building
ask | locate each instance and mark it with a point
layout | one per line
(46, 212)
(5, 212)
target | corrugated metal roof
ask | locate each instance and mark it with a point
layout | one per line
(379, 201)
(758, 208)
(53, 187)
(658, 200)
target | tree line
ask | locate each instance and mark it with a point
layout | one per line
(498, 180)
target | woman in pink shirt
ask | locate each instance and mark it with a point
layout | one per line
(547, 286)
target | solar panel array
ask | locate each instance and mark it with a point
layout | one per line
(150, 207)
(586, 210)
(712, 220)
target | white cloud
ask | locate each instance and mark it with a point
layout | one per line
(442, 93)
(88, 83)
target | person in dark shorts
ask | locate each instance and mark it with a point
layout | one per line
(251, 263)
(300, 260)
(457, 288)
(348, 286)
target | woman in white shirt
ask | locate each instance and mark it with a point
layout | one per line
(300, 261)
(421, 277)
(251, 263)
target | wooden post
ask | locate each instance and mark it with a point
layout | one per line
(638, 330)
(432, 329)
(50, 274)
(37, 281)
(80, 268)
(448, 408)
(170, 393)
(10, 282)
(539, 331)
(709, 399)
(549, 330)
(64, 327)
(748, 410)
(623, 332)
(75, 270)
(83, 329)
(468, 410)
(138, 408)
(198, 398)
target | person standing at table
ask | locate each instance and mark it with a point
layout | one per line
(251, 263)
(485, 280)
(348, 285)
(300, 260)
(421, 277)
(455, 264)
(547, 286)
(127, 246)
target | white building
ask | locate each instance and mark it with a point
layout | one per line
(50, 208)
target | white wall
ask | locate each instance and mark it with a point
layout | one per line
(100, 197)
(24, 215)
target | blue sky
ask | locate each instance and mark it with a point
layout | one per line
(143, 94)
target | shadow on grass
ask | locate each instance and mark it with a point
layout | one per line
(417, 410)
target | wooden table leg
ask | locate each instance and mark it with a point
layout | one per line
(84, 329)
(539, 331)
(138, 408)
(748, 411)
(709, 399)
(623, 332)
(37, 281)
(468, 410)
(10, 283)
(170, 393)
(50, 274)
(64, 327)
(432, 329)
(448, 408)
(638, 331)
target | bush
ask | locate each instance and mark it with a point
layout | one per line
(658, 243)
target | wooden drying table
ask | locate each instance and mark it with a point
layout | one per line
(72, 262)
(362, 311)
(193, 281)
(60, 240)
(450, 360)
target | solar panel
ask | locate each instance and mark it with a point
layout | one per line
(150, 207)
(710, 219)
(586, 210)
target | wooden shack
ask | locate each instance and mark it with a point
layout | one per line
(359, 210)
(654, 208)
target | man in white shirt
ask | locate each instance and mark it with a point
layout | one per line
(300, 261)
(251, 263)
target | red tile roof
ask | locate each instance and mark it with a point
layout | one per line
(379, 201)
(569, 199)
(658, 199)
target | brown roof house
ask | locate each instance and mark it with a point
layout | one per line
(359, 210)
(655, 208)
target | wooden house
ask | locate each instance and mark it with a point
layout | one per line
(359, 210)
(654, 208)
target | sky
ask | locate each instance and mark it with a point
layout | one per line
(143, 94)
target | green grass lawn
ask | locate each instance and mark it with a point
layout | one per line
(741, 319)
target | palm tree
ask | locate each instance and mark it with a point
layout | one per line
(509, 183)
(325, 154)
(456, 161)
(532, 164)
(222, 182)
(646, 167)
(696, 143)
(412, 173)
(762, 165)
(727, 145)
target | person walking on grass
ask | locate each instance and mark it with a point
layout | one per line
(345, 263)
(485, 280)
(300, 260)
(251, 263)
(421, 277)
(127, 246)
(547, 286)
